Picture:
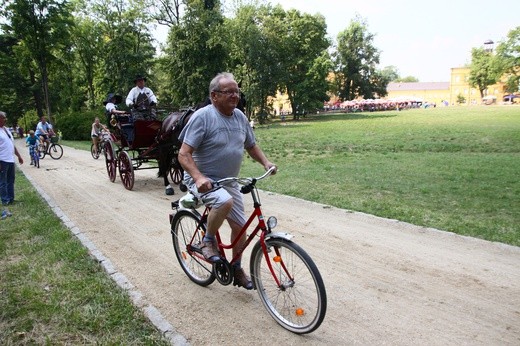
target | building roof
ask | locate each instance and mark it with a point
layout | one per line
(418, 86)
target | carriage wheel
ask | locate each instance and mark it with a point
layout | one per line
(176, 171)
(110, 161)
(126, 170)
(176, 175)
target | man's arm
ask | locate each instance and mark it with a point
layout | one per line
(258, 155)
(130, 98)
(186, 160)
(20, 159)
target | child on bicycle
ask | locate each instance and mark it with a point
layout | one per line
(32, 142)
(96, 132)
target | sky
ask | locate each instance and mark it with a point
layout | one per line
(423, 39)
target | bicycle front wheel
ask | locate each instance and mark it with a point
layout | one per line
(56, 151)
(36, 158)
(185, 231)
(299, 302)
(41, 150)
(94, 151)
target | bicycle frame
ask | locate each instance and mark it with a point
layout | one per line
(260, 227)
(284, 275)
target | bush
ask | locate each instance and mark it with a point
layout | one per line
(76, 126)
(29, 121)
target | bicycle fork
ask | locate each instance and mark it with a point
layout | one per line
(277, 258)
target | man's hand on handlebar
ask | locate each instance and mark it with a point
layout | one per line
(204, 184)
(272, 168)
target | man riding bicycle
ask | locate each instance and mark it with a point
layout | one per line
(44, 132)
(213, 148)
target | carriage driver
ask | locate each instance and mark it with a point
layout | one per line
(142, 100)
(213, 148)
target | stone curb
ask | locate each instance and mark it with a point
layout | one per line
(151, 312)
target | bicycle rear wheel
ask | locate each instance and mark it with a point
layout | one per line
(184, 233)
(299, 303)
(56, 151)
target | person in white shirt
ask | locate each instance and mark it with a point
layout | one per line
(7, 153)
(141, 100)
(44, 131)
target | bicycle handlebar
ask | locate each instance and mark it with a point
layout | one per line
(244, 181)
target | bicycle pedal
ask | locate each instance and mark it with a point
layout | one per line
(196, 248)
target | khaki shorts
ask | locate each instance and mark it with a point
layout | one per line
(217, 198)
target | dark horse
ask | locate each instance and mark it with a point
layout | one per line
(169, 144)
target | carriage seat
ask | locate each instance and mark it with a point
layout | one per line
(145, 132)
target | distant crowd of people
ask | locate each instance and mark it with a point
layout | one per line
(377, 105)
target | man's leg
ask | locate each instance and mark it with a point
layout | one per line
(3, 182)
(217, 216)
(10, 182)
(235, 231)
(240, 278)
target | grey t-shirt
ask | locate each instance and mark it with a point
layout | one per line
(218, 140)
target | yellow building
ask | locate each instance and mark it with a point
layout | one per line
(457, 88)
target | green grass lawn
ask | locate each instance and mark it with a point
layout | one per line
(454, 168)
(52, 292)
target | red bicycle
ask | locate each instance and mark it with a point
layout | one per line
(287, 280)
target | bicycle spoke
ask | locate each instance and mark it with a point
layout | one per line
(298, 303)
(184, 233)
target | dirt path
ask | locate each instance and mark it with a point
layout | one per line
(387, 282)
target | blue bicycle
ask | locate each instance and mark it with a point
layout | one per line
(35, 154)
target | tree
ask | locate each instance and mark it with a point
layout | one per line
(483, 70)
(196, 51)
(88, 42)
(407, 79)
(508, 53)
(305, 62)
(15, 89)
(356, 61)
(127, 48)
(166, 12)
(42, 28)
(253, 52)
(391, 73)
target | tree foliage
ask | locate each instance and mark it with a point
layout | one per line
(508, 53)
(64, 56)
(483, 70)
(305, 63)
(42, 28)
(356, 63)
(253, 49)
(196, 51)
(273, 49)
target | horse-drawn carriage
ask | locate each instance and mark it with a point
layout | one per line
(144, 143)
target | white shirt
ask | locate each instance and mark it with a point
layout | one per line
(109, 107)
(132, 95)
(6, 145)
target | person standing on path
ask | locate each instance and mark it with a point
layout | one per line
(7, 173)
